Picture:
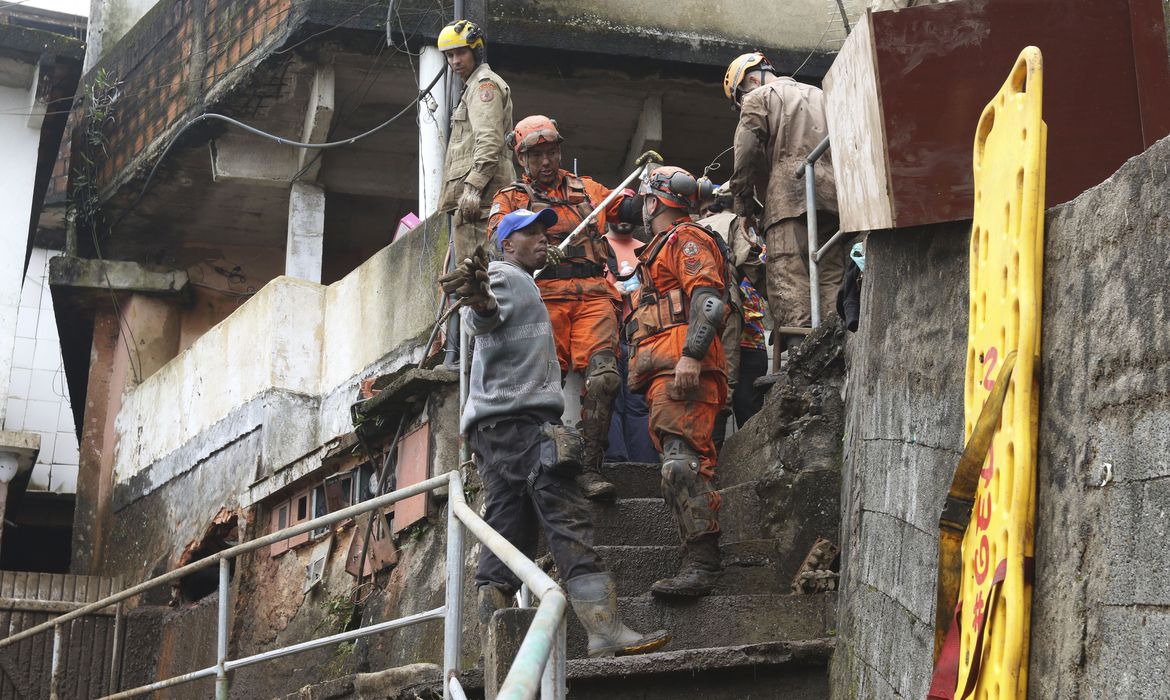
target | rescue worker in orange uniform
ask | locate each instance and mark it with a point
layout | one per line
(677, 359)
(582, 304)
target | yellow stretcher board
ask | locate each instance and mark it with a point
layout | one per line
(1007, 245)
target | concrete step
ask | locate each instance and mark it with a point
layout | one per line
(789, 670)
(795, 670)
(647, 521)
(634, 479)
(715, 621)
(751, 567)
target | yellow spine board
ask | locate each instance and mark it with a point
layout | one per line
(1006, 270)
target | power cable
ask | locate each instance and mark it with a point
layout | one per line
(212, 116)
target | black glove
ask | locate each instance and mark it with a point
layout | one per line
(630, 210)
(470, 283)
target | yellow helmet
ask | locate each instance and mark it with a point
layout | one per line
(739, 68)
(459, 33)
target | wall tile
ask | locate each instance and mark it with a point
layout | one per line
(14, 414)
(42, 416)
(18, 382)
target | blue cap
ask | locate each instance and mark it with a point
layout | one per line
(520, 218)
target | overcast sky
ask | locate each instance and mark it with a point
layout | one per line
(73, 7)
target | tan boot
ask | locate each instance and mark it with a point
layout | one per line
(594, 599)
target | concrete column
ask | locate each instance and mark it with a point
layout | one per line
(306, 232)
(432, 130)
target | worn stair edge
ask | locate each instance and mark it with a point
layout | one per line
(724, 620)
(634, 479)
(805, 652)
(647, 521)
(751, 566)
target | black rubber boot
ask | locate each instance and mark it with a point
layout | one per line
(594, 599)
(700, 571)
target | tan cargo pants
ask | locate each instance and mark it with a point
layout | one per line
(789, 300)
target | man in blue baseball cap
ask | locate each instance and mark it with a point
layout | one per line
(528, 462)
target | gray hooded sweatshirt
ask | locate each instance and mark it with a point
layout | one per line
(514, 369)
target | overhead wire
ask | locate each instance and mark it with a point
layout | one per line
(210, 49)
(212, 116)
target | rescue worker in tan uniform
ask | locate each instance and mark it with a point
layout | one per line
(476, 163)
(780, 122)
(582, 304)
(677, 359)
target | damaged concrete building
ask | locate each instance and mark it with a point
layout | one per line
(246, 336)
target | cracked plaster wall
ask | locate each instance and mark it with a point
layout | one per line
(1101, 606)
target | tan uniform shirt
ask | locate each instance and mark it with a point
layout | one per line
(475, 151)
(779, 124)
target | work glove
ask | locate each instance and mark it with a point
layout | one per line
(469, 203)
(555, 255)
(469, 282)
(649, 156)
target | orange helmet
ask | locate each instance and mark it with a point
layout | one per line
(531, 131)
(738, 70)
(672, 185)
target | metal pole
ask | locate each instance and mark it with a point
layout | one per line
(221, 633)
(552, 684)
(832, 242)
(242, 548)
(116, 654)
(55, 673)
(464, 387)
(524, 597)
(453, 619)
(810, 191)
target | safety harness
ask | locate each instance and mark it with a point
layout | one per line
(658, 312)
(586, 260)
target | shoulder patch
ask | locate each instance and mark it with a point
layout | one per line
(690, 248)
(495, 209)
(487, 91)
(692, 266)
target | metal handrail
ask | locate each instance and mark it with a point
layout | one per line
(807, 170)
(544, 640)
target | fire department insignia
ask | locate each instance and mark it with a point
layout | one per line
(487, 92)
(690, 248)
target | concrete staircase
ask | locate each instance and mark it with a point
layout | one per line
(750, 639)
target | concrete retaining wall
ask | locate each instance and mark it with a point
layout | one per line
(1101, 607)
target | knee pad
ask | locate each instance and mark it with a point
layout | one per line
(692, 499)
(680, 466)
(601, 376)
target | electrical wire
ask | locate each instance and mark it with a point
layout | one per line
(212, 116)
(212, 48)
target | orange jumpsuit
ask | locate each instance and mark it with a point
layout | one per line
(687, 259)
(583, 310)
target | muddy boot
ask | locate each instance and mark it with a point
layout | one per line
(491, 599)
(594, 487)
(602, 382)
(594, 599)
(700, 570)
